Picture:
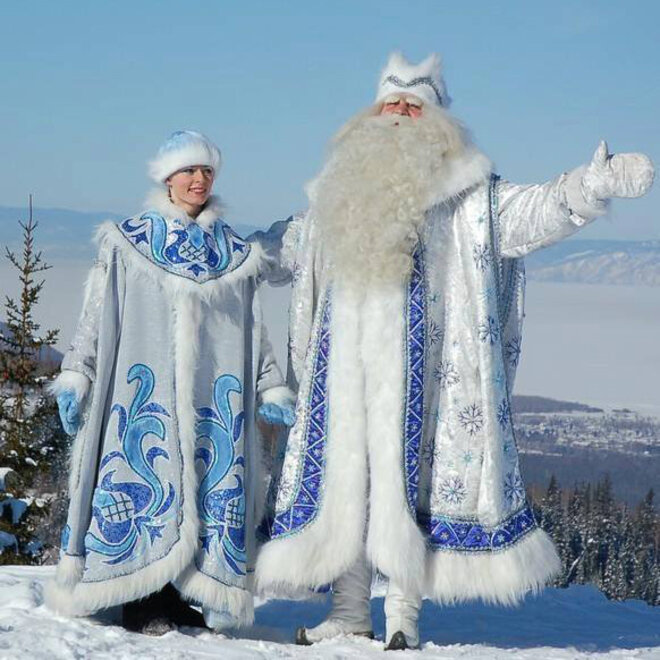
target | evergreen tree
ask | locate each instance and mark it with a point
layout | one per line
(31, 438)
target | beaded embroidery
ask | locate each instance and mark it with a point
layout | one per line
(186, 250)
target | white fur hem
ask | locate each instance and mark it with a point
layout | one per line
(201, 588)
(501, 578)
(69, 571)
(70, 380)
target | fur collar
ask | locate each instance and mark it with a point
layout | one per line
(158, 200)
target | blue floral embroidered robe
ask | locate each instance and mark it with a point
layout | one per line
(164, 483)
(404, 434)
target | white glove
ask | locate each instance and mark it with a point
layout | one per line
(616, 175)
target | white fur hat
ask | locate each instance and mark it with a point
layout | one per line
(183, 149)
(423, 80)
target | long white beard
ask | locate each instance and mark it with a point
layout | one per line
(370, 200)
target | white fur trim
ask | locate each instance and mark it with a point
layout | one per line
(175, 285)
(200, 152)
(158, 200)
(280, 395)
(69, 571)
(333, 541)
(217, 596)
(398, 68)
(395, 545)
(70, 380)
(501, 578)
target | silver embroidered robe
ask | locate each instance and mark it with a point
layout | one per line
(164, 483)
(404, 434)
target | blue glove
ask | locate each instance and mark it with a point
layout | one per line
(68, 405)
(274, 414)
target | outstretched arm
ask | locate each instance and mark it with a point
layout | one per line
(538, 215)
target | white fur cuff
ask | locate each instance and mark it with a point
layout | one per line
(71, 380)
(280, 396)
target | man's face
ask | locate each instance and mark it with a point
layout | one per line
(402, 104)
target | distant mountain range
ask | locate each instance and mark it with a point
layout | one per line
(597, 262)
(63, 233)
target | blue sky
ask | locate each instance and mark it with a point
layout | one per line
(90, 89)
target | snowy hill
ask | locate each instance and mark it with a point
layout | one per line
(573, 623)
(598, 262)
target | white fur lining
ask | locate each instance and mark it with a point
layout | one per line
(158, 200)
(501, 578)
(70, 380)
(330, 544)
(395, 545)
(280, 395)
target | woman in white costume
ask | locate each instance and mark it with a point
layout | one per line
(161, 387)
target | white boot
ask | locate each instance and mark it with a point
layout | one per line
(350, 614)
(401, 616)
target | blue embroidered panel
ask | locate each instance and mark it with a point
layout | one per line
(189, 251)
(415, 357)
(306, 503)
(447, 533)
(130, 515)
(221, 506)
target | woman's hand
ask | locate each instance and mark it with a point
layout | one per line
(271, 413)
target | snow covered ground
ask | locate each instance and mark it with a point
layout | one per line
(574, 623)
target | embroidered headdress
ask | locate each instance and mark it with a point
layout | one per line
(424, 80)
(184, 149)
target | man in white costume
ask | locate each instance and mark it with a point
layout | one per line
(405, 336)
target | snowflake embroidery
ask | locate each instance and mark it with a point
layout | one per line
(468, 457)
(504, 413)
(471, 418)
(482, 256)
(452, 490)
(427, 452)
(487, 294)
(296, 273)
(433, 298)
(498, 379)
(436, 333)
(489, 331)
(514, 490)
(512, 350)
(445, 374)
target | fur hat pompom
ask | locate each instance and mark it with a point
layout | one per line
(184, 149)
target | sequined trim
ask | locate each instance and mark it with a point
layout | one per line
(415, 358)
(422, 80)
(306, 504)
(448, 533)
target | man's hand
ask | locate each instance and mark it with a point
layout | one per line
(616, 175)
(69, 409)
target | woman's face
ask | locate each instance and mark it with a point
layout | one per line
(190, 188)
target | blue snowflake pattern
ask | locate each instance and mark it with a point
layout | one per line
(512, 350)
(489, 331)
(471, 418)
(482, 255)
(445, 374)
(504, 413)
(436, 333)
(514, 491)
(452, 490)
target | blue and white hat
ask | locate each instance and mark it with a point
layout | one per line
(424, 80)
(184, 149)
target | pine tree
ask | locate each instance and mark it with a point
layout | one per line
(30, 436)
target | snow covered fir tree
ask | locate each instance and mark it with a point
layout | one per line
(32, 443)
(602, 541)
